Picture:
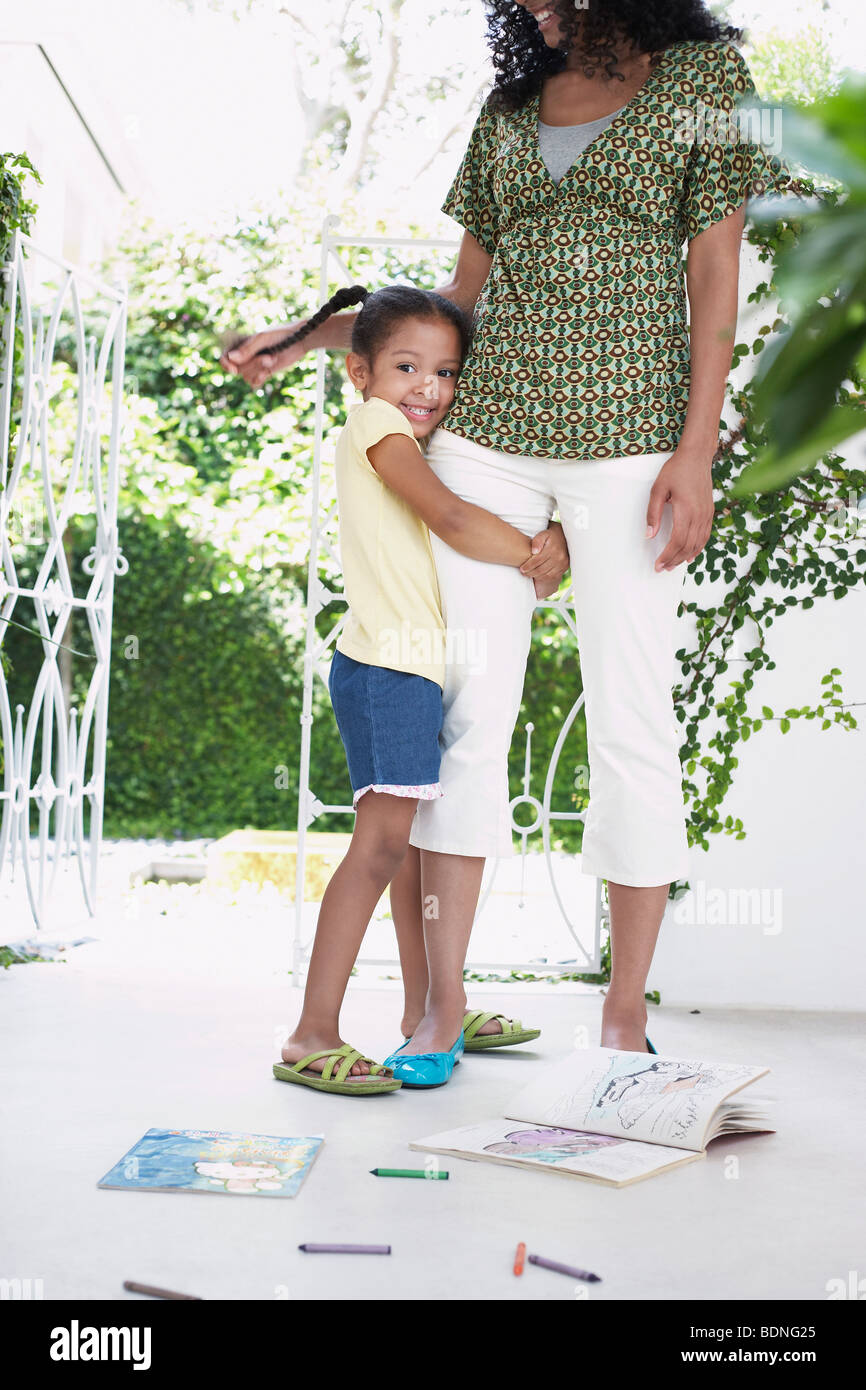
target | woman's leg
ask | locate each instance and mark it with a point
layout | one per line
(378, 845)
(450, 884)
(407, 911)
(625, 612)
(432, 945)
(635, 919)
(488, 610)
(411, 911)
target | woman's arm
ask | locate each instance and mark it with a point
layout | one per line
(466, 528)
(466, 283)
(712, 278)
(464, 287)
(469, 275)
(686, 480)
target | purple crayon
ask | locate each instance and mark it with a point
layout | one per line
(346, 1249)
(565, 1269)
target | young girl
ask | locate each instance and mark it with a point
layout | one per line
(387, 672)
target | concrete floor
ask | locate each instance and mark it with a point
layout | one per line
(169, 1022)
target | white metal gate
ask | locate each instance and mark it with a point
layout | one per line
(320, 597)
(54, 758)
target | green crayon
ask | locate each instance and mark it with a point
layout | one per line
(405, 1173)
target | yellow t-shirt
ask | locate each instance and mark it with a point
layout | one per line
(389, 575)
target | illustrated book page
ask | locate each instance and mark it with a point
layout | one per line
(676, 1102)
(199, 1160)
(570, 1153)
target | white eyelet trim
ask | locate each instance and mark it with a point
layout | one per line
(427, 792)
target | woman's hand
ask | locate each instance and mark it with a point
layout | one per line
(549, 562)
(686, 482)
(255, 370)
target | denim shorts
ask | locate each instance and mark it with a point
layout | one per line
(389, 722)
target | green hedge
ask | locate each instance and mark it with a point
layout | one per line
(205, 695)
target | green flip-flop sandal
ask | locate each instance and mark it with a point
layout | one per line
(328, 1079)
(513, 1032)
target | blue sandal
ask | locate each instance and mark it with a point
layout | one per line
(425, 1070)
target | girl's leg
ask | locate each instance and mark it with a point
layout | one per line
(625, 612)
(407, 911)
(379, 842)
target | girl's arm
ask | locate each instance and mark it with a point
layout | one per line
(464, 287)
(466, 528)
(686, 480)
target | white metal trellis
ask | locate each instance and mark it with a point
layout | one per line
(54, 761)
(319, 597)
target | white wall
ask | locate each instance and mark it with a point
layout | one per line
(802, 799)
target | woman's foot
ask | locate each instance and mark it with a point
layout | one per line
(409, 1024)
(624, 1028)
(437, 1031)
(299, 1045)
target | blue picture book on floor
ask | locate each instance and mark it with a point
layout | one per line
(211, 1160)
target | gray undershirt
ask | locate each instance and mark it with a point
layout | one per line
(560, 145)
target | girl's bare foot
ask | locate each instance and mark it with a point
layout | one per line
(297, 1046)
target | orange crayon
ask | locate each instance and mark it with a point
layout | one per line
(519, 1257)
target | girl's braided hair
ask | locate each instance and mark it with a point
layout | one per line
(380, 312)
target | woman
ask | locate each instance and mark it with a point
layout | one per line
(602, 148)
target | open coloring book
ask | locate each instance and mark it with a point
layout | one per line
(614, 1117)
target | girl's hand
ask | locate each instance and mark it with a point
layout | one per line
(549, 561)
(545, 587)
(686, 482)
(255, 370)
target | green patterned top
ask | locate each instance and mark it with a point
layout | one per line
(581, 347)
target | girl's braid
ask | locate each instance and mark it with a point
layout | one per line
(343, 299)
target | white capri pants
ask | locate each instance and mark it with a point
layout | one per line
(625, 615)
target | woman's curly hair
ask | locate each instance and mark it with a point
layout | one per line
(522, 59)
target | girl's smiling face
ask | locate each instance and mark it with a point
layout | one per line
(415, 370)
